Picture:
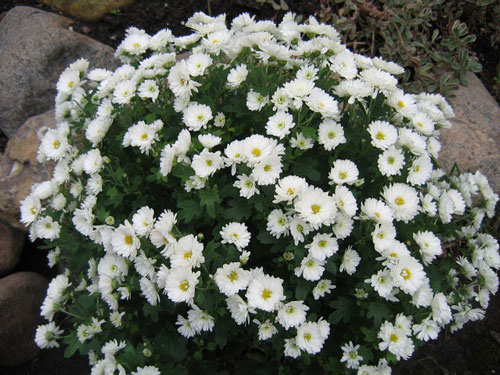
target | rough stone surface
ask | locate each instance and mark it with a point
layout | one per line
(35, 47)
(21, 295)
(11, 246)
(87, 10)
(474, 141)
(19, 168)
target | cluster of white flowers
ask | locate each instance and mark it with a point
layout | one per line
(147, 254)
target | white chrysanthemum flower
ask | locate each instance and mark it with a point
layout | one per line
(97, 129)
(408, 274)
(298, 88)
(180, 284)
(266, 329)
(44, 190)
(441, 311)
(113, 266)
(311, 336)
(310, 268)
(196, 116)
(124, 91)
(267, 171)
(301, 142)
(68, 82)
(322, 288)
(236, 234)
(429, 244)
(414, 142)
(343, 172)
(146, 370)
(124, 241)
(391, 161)
(148, 290)
(209, 140)
(256, 101)
(350, 355)
(57, 288)
(379, 79)
(330, 134)
(46, 228)
(30, 209)
(207, 163)
(323, 246)
(231, 278)
(277, 223)
(355, 89)
(403, 103)
(143, 221)
(291, 348)
(238, 309)
(187, 252)
(185, 328)
(350, 261)
(237, 76)
(388, 66)
(220, 120)
(280, 100)
(200, 320)
(247, 185)
(423, 296)
(257, 148)
(395, 340)
(180, 82)
(167, 160)
(92, 161)
(403, 200)
(383, 134)
(343, 226)
(382, 282)
(265, 292)
(383, 236)
(197, 63)
(280, 124)
(46, 336)
(344, 64)
(420, 170)
(288, 188)
(377, 211)
(423, 123)
(316, 207)
(392, 253)
(426, 330)
(292, 314)
(309, 72)
(345, 200)
(54, 145)
(321, 102)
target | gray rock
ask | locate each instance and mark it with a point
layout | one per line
(11, 246)
(19, 168)
(35, 47)
(474, 141)
(87, 10)
(21, 295)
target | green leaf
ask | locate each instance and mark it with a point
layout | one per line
(238, 210)
(151, 312)
(378, 311)
(73, 344)
(188, 210)
(305, 167)
(303, 289)
(182, 171)
(344, 308)
(209, 198)
(370, 334)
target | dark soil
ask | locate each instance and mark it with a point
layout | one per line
(475, 350)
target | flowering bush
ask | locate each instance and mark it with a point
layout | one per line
(271, 203)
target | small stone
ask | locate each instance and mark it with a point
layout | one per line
(11, 246)
(21, 295)
(88, 10)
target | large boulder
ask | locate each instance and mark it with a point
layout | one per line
(87, 10)
(11, 246)
(474, 140)
(35, 47)
(19, 168)
(21, 295)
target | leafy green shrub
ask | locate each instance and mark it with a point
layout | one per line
(273, 203)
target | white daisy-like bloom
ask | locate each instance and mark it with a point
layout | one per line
(344, 64)
(187, 252)
(330, 134)
(281, 100)
(395, 340)
(343, 226)
(403, 200)
(429, 244)
(350, 261)
(196, 116)
(98, 74)
(124, 240)
(44, 190)
(292, 314)
(267, 171)
(148, 90)
(404, 104)
(266, 329)
(311, 336)
(383, 134)
(323, 246)
(57, 288)
(423, 123)
(46, 228)
(423, 296)
(247, 185)
(136, 42)
(466, 267)
(54, 145)
(197, 63)
(209, 140)
(161, 39)
(316, 207)
(236, 234)
(113, 266)
(185, 328)
(392, 253)
(280, 124)
(383, 236)
(288, 188)
(322, 288)
(291, 348)
(309, 72)
(180, 284)
(355, 89)
(237, 76)
(161, 235)
(379, 79)
(382, 282)
(207, 163)
(298, 88)
(92, 161)
(148, 290)
(343, 172)
(220, 120)
(387, 66)
(257, 148)
(441, 311)
(238, 309)
(214, 42)
(143, 221)
(377, 211)
(321, 102)
(68, 82)
(231, 278)
(277, 223)
(235, 154)
(256, 101)
(200, 320)
(346, 202)
(146, 370)
(350, 355)
(30, 209)
(426, 330)
(420, 170)
(414, 142)
(97, 129)
(301, 142)
(124, 91)
(83, 220)
(180, 82)
(46, 336)
(391, 161)
(265, 292)
(167, 160)
(408, 274)
(182, 145)
(310, 268)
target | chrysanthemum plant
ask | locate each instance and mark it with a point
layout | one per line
(270, 204)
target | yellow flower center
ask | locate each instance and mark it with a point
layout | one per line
(188, 254)
(401, 104)
(331, 135)
(394, 338)
(399, 201)
(380, 136)
(56, 144)
(343, 175)
(267, 167)
(136, 45)
(420, 124)
(184, 286)
(377, 214)
(71, 84)
(128, 239)
(266, 294)
(406, 274)
(315, 208)
(144, 136)
(290, 191)
(307, 336)
(322, 243)
(233, 276)
(256, 152)
(209, 163)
